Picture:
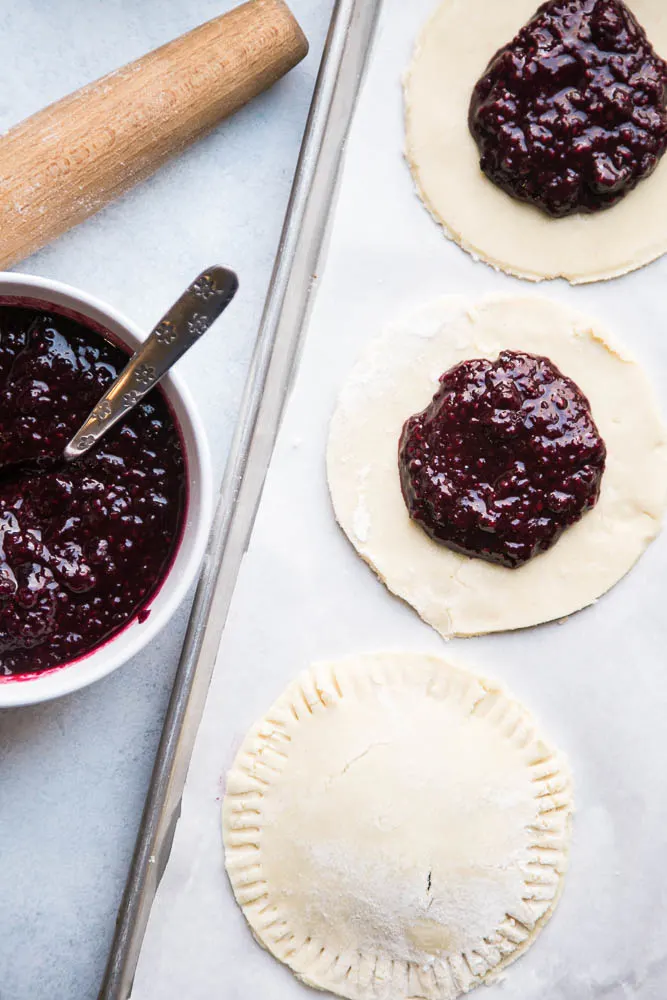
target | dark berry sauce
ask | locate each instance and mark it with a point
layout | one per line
(83, 546)
(504, 458)
(570, 116)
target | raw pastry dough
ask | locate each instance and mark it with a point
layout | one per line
(398, 375)
(396, 828)
(451, 54)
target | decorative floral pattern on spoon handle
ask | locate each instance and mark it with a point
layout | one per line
(181, 327)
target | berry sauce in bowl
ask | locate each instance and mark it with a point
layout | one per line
(503, 460)
(572, 113)
(83, 545)
(93, 556)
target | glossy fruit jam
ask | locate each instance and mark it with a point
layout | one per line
(83, 546)
(503, 460)
(570, 116)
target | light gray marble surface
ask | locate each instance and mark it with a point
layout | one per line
(74, 773)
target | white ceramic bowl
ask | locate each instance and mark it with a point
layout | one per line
(23, 289)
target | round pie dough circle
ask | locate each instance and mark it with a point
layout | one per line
(396, 828)
(452, 52)
(398, 376)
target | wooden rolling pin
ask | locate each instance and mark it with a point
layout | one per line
(69, 160)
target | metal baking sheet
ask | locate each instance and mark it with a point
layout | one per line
(267, 386)
(597, 682)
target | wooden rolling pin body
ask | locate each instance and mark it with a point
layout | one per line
(69, 160)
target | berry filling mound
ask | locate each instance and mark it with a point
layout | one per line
(571, 115)
(503, 460)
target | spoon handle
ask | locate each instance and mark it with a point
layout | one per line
(181, 327)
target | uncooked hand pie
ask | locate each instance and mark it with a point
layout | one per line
(396, 828)
(514, 119)
(586, 544)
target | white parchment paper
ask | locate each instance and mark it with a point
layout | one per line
(598, 682)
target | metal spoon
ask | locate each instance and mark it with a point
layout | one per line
(180, 327)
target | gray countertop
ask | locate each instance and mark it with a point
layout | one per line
(74, 772)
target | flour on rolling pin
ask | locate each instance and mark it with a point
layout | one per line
(66, 162)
